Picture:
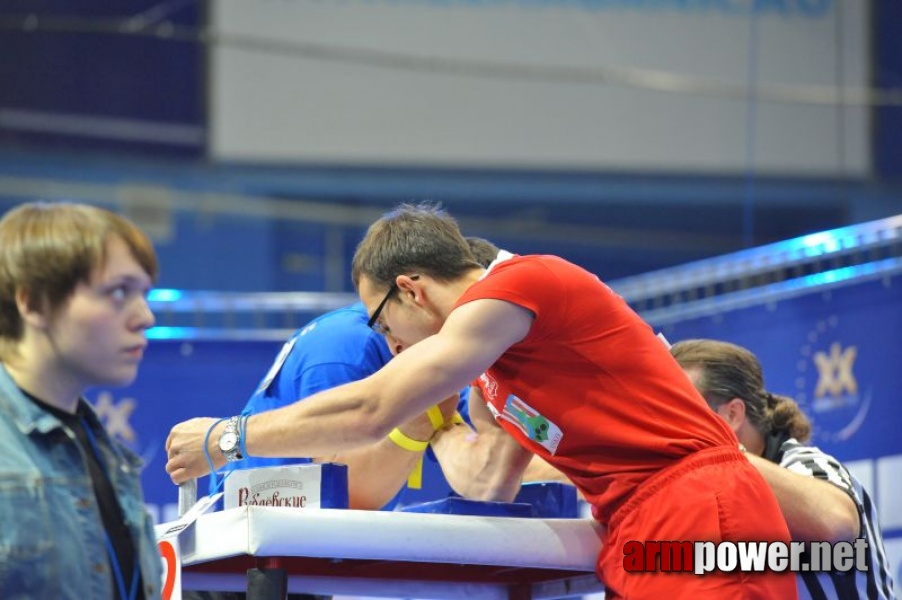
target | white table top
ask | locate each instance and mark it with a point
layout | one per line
(438, 542)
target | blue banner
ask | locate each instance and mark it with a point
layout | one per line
(834, 353)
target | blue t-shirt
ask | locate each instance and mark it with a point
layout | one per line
(334, 349)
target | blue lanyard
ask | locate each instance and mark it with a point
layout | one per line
(117, 571)
(114, 560)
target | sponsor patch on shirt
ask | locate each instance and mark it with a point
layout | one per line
(531, 423)
(489, 387)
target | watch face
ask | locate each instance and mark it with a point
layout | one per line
(228, 441)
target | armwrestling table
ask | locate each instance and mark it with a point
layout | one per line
(270, 550)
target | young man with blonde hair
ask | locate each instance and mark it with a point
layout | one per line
(73, 315)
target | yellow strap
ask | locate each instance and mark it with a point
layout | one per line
(435, 417)
(415, 479)
(401, 440)
(437, 420)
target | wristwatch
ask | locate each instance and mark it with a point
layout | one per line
(230, 441)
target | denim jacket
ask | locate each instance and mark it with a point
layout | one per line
(52, 542)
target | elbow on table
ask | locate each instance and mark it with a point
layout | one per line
(498, 492)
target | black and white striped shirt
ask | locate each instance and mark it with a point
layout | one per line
(874, 584)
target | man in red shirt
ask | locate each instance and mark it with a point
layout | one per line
(568, 370)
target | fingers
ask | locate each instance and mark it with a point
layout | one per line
(179, 476)
(185, 450)
(177, 472)
(182, 467)
(177, 469)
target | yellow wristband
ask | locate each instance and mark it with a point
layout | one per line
(437, 420)
(408, 443)
(435, 417)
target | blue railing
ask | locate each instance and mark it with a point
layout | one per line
(768, 273)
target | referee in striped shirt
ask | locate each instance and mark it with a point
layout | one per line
(820, 499)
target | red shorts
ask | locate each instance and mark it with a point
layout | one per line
(713, 495)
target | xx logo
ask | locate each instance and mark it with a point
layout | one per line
(116, 415)
(835, 371)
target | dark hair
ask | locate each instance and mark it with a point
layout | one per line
(482, 250)
(728, 371)
(47, 249)
(412, 238)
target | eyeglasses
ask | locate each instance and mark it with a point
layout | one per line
(372, 323)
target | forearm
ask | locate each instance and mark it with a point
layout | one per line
(376, 473)
(473, 463)
(340, 419)
(346, 417)
(815, 510)
(356, 414)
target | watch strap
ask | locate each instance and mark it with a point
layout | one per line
(234, 453)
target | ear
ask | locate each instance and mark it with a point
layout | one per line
(33, 315)
(733, 412)
(412, 286)
(393, 345)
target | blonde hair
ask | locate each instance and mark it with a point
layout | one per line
(47, 249)
(728, 371)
